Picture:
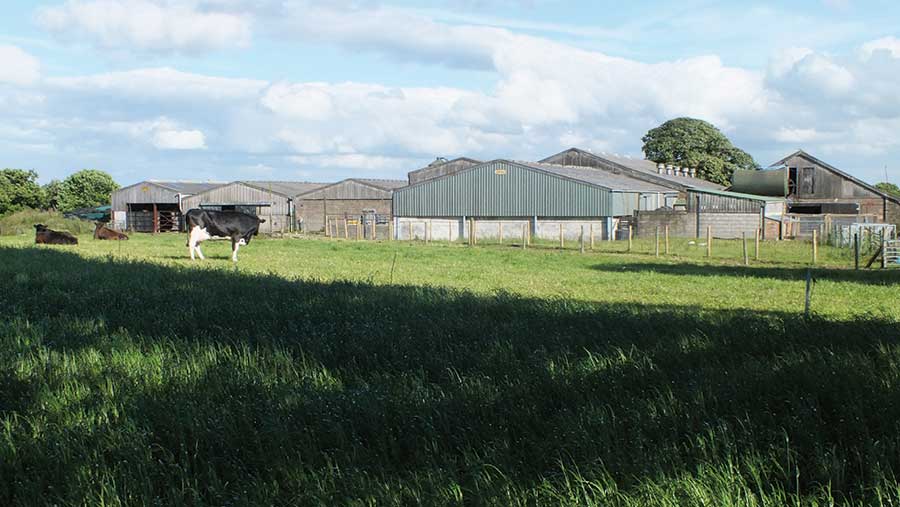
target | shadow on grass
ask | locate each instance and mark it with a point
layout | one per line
(265, 390)
(889, 276)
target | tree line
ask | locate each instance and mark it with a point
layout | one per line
(88, 188)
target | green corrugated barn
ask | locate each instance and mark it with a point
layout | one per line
(546, 197)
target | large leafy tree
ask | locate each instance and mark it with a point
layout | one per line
(85, 189)
(18, 190)
(52, 192)
(689, 142)
(888, 188)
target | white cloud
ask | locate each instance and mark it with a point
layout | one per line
(18, 67)
(890, 45)
(179, 140)
(146, 25)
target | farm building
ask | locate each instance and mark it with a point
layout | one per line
(273, 201)
(350, 198)
(505, 196)
(816, 187)
(440, 167)
(700, 203)
(153, 206)
(676, 178)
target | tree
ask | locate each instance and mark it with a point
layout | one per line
(52, 192)
(888, 188)
(86, 189)
(19, 190)
(689, 142)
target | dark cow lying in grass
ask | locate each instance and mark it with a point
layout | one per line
(101, 231)
(203, 225)
(45, 236)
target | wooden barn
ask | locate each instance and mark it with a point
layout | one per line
(440, 167)
(818, 188)
(153, 206)
(273, 201)
(350, 198)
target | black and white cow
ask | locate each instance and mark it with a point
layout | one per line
(206, 224)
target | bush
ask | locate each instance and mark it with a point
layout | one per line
(22, 223)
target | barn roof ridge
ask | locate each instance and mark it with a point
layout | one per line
(432, 165)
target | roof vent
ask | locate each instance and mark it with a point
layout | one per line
(661, 168)
(693, 172)
(670, 169)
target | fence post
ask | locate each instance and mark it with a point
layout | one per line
(744, 245)
(500, 231)
(856, 250)
(359, 230)
(562, 239)
(630, 235)
(391, 229)
(657, 241)
(581, 239)
(883, 251)
(427, 232)
(346, 229)
(808, 297)
(524, 236)
(409, 229)
(592, 235)
(474, 232)
(374, 230)
(667, 239)
(815, 246)
(327, 227)
(756, 250)
(709, 241)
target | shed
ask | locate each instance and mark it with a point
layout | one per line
(504, 191)
(153, 206)
(818, 188)
(350, 198)
(440, 167)
(272, 201)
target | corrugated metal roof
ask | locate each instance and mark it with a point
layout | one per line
(385, 184)
(615, 182)
(285, 188)
(186, 187)
(650, 167)
(739, 195)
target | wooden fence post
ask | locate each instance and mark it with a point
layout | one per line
(756, 250)
(391, 229)
(709, 241)
(856, 250)
(374, 231)
(815, 246)
(562, 239)
(581, 239)
(358, 230)
(667, 239)
(500, 226)
(656, 251)
(427, 232)
(592, 236)
(524, 236)
(409, 229)
(474, 232)
(744, 246)
(630, 235)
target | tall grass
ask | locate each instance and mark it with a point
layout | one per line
(127, 382)
(22, 223)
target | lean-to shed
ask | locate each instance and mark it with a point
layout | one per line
(350, 198)
(153, 206)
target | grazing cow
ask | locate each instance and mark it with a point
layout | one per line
(101, 231)
(205, 224)
(45, 236)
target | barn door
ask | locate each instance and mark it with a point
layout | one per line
(808, 181)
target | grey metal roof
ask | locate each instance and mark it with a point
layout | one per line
(598, 177)
(645, 169)
(384, 184)
(186, 187)
(285, 188)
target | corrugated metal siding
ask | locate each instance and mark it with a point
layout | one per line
(711, 203)
(520, 192)
(348, 189)
(238, 193)
(144, 192)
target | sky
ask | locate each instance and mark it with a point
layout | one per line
(321, 90)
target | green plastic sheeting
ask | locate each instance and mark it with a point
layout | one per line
(772, 182)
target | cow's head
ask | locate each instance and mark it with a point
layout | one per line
(40, 227)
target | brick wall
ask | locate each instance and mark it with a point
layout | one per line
(893, 213)
(684, 224)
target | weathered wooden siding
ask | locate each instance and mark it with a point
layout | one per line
(314, 211)
(504, 189)
(145, 192)
(277, 216)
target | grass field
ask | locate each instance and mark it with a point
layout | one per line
(342, 373)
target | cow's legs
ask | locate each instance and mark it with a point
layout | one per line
(234, 249)
(194, 242)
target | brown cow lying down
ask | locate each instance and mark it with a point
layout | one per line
(43, 235)
(104, 232)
